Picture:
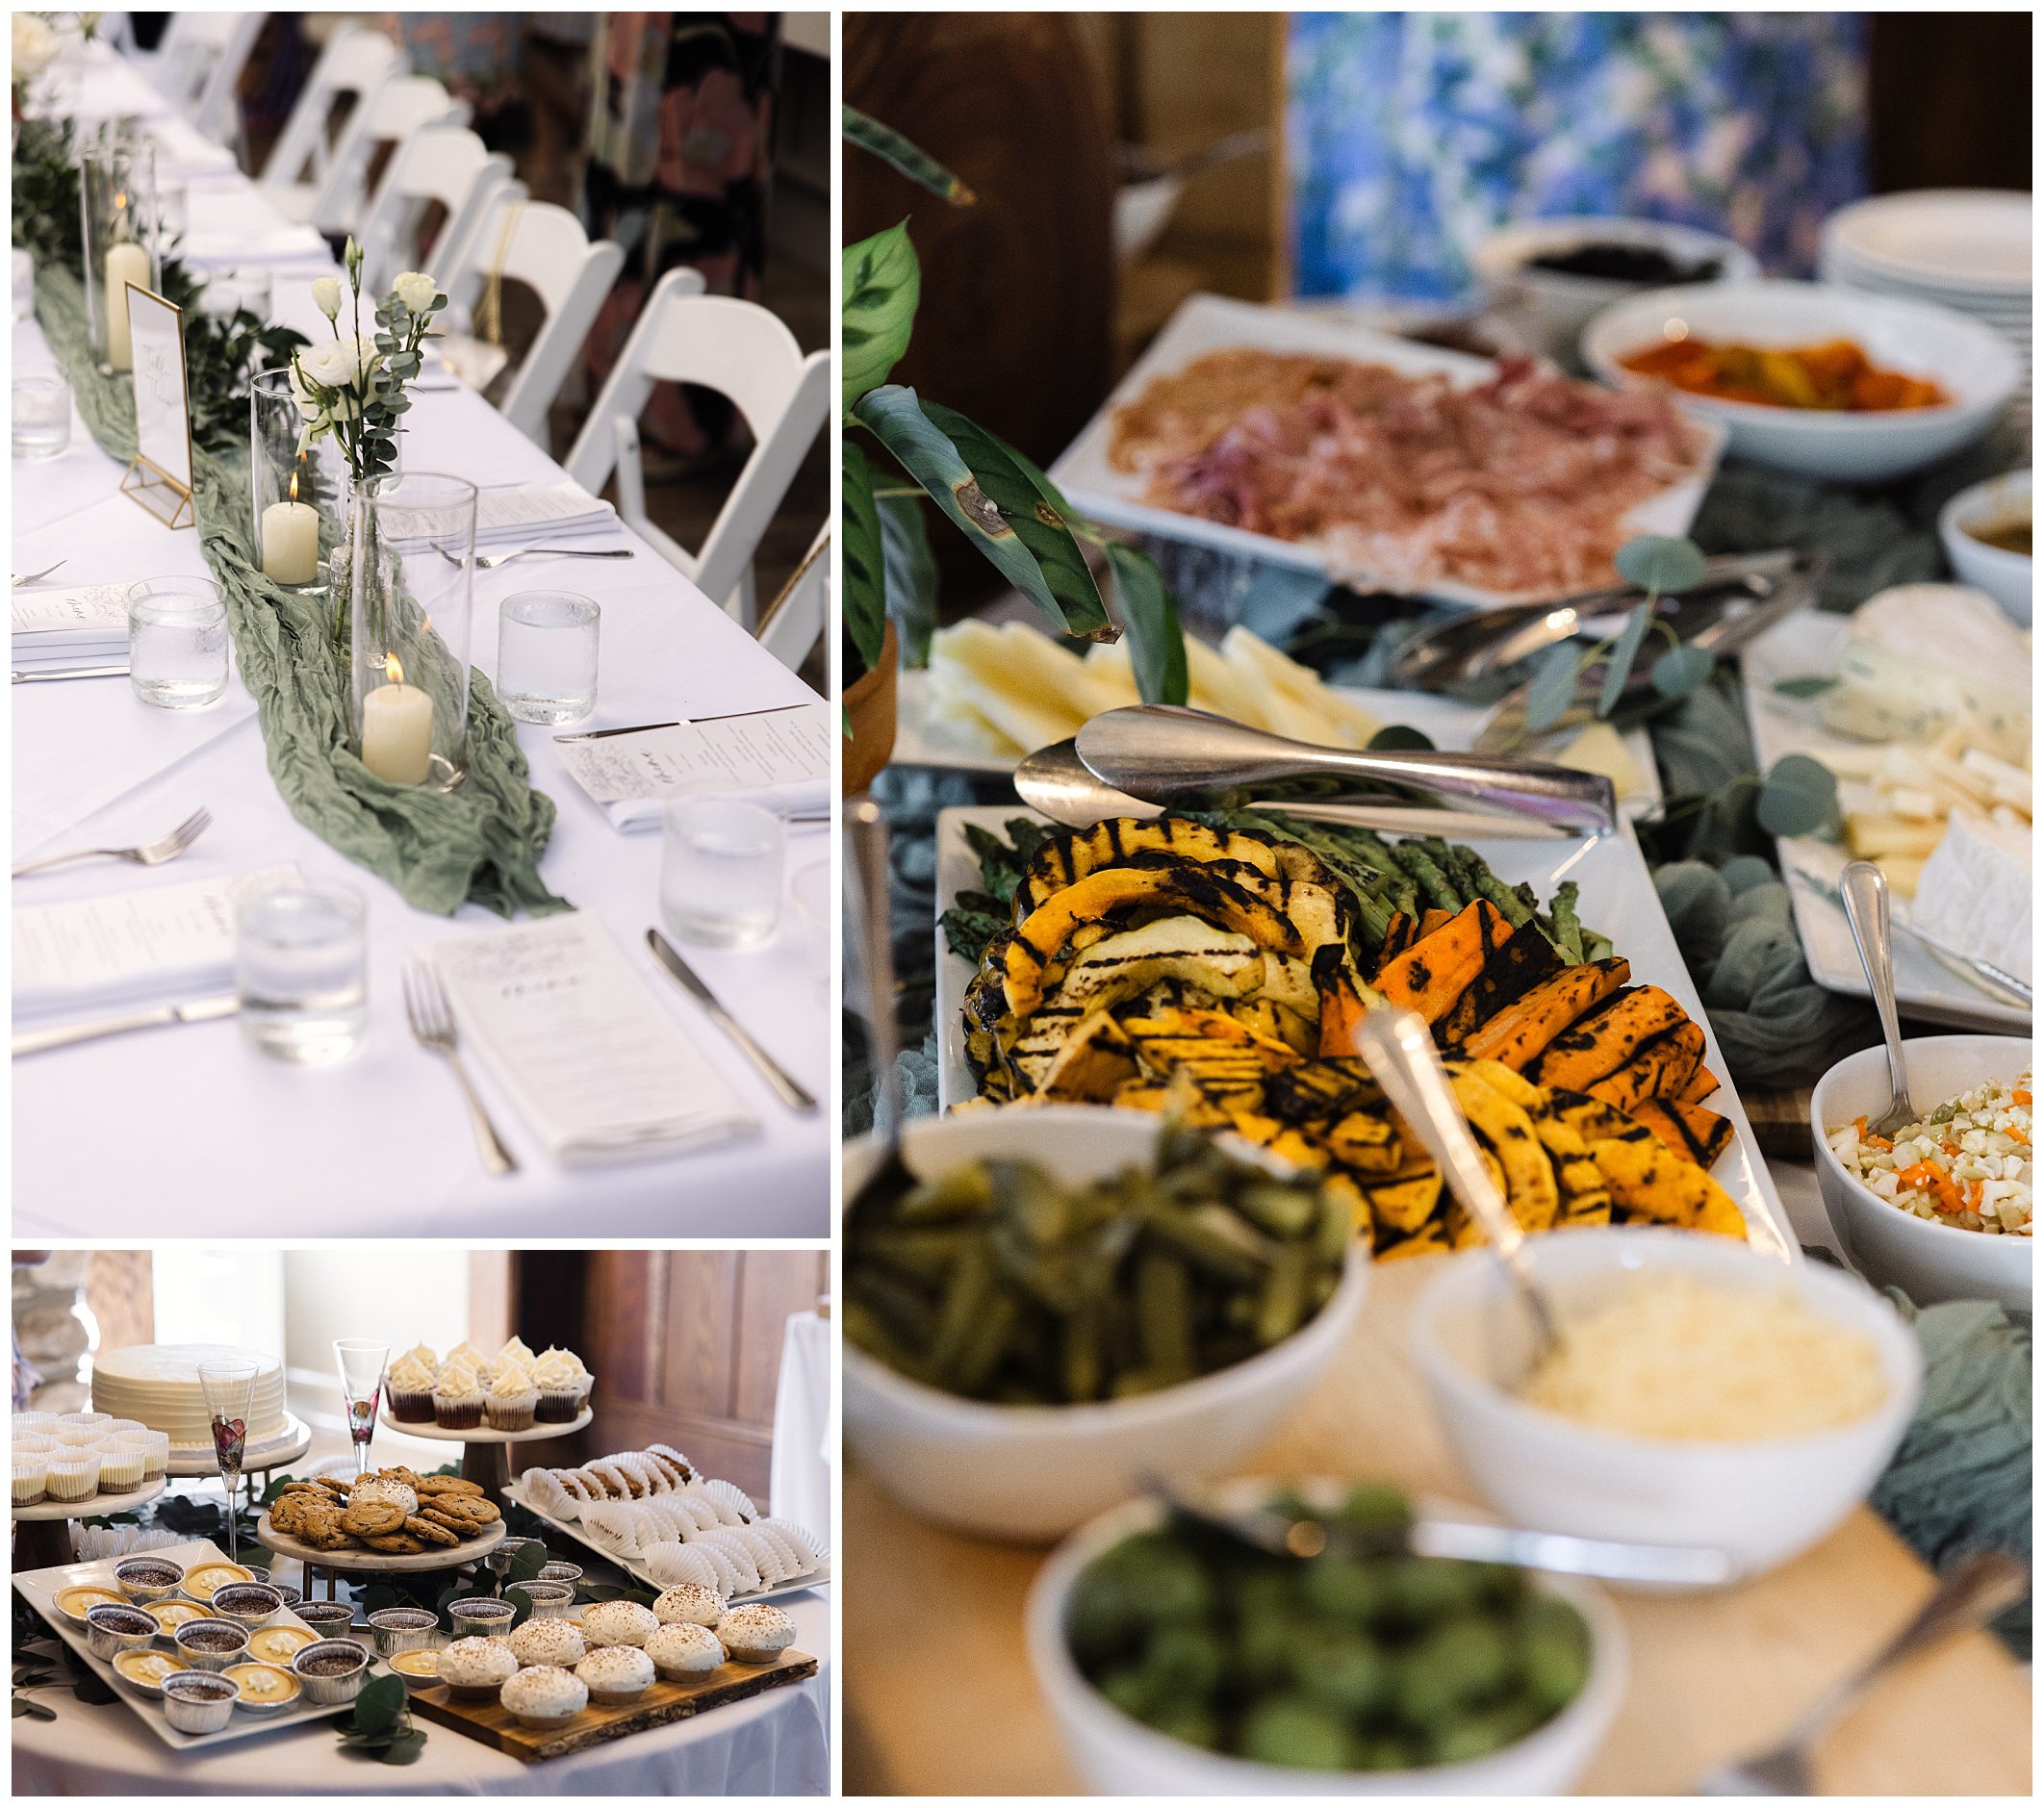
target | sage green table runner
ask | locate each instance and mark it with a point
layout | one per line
(481, 843)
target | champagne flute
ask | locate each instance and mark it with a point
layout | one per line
(229, 1388)
(362, 1362)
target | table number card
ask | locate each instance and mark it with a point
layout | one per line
(598, 1067)
(160, 477)
(779, 758)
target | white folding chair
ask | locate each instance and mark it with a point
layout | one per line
(794, 621)
(403, 105)
(198, 67)
(445, 163)
(355, 64)
(743, 351)
(544, 247)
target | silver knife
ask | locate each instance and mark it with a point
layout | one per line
(794, 1095)
(43, 674)
(647, 728)
(63, 1034)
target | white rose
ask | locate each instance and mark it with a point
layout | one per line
(415, 289)
(326, 293)
(34, 47)
(333, 365)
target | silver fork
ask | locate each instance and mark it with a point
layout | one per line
(490, 561)
(1971, 1592)
(149, 854)
(35, 577)
(425, 1005)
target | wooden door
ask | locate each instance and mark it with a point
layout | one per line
(684, 1344)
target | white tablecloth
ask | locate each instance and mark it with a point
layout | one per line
(775, 1743)
(184, 1127)
(804, 1428)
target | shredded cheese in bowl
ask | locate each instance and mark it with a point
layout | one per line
(1680, 1361)
(1967, 1163)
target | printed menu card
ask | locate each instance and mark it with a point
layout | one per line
(68, 627)
(597, 1066)
(779, 758)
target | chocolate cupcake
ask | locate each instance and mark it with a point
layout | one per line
(457, 1398)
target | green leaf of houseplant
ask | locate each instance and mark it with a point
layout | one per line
(1624, 650)
(910, 159)
(896, 418)
(1036, 513)
(865, 600)
(883, 282)
(1157, 644)
(912, 574)
(1800, 798)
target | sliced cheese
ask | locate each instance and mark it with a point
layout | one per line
(1975, 894)
(1600, 749)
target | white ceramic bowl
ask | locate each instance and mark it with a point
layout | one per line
(1975, 365)
(2005, 576)
(1763, 1502)
(1115, 1755)
(1032, 1473)
(1553, 307)
(1896, 1248)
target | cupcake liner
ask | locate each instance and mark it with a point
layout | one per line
(411, 1409)
(514, 1414)
(457, 1415)
(559, 1405)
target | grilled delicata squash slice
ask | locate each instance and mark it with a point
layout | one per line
(1603, 1040)
(1065, 859)
(1520, 1034)
(1651, 1181)
(1506, 1130)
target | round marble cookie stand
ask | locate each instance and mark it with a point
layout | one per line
(42, 1533)
(334, 1565)
(485, 1454)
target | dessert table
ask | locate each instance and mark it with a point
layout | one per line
(116, 1137)
(1712, 1677)
(775, 1743)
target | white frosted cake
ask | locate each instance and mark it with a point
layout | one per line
(158, 1385)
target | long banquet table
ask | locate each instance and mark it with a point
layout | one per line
(775, 1743)
(184, 1127)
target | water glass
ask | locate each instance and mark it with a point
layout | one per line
(42, 416)
(177, 642)
(300, 971)
(24, 283)
(719, 872)
(547, 655)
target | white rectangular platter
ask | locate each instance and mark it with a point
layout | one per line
(635, 1568)
(40, 1588)
(922, 739)
(1617, 899)
(1208, 324)
(1807, 645)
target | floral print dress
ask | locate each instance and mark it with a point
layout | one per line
(681, 152)
(1413, 136)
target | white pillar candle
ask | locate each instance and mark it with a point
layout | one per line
(291, 543)
(397, 731)
(125, 264)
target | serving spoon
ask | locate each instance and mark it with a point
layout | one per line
(1863, 888)
(1398, 1049)
(1188, 760)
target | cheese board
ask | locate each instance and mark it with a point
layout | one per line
(1806, 646)
(39, 1588)
(636, 1568)
(664, 1703)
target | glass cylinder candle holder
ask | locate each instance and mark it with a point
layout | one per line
(410, 581)
(116, 198)
(299, 495)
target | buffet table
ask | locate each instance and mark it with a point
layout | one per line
(775, 1743)
(1713, 1677)
(379, 1145)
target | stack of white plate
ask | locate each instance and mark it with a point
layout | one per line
(1966, 248)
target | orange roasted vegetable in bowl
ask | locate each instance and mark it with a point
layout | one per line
(1836, 375)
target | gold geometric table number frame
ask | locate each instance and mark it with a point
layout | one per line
(158, 476)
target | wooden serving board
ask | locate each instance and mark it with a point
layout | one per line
(659, 1706)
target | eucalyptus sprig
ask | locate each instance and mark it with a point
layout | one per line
(380, 1725)
(45, 193)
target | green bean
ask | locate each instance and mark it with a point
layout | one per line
(1282, 1211)
(1282, 1306)
(965, 1192)
(1163, 1306)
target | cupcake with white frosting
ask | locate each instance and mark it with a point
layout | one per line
(757, 1634)
(683, 1649)
(544, 1696)
(616, 1674)
(476, 1667)
(457, 1397)
(689, 1604)
(512, 1399)
(560, 1387)
(411, 1389)
(552, 1641)
(618, 1622)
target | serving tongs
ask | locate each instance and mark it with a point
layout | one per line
(1305, 1536)
(1189, 760)
(1462, 648)
(1728, 629)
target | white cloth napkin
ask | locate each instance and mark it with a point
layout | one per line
(776, 758)
(520, 513)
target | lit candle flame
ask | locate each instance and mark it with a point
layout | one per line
(293, 486)
(392, 671)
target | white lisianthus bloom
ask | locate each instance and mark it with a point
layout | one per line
(34, 47)
(308, 404)
(326, 293)
(415, 289)
(336, 365)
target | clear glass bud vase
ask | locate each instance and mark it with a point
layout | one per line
(403, 582)
(117, 201)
